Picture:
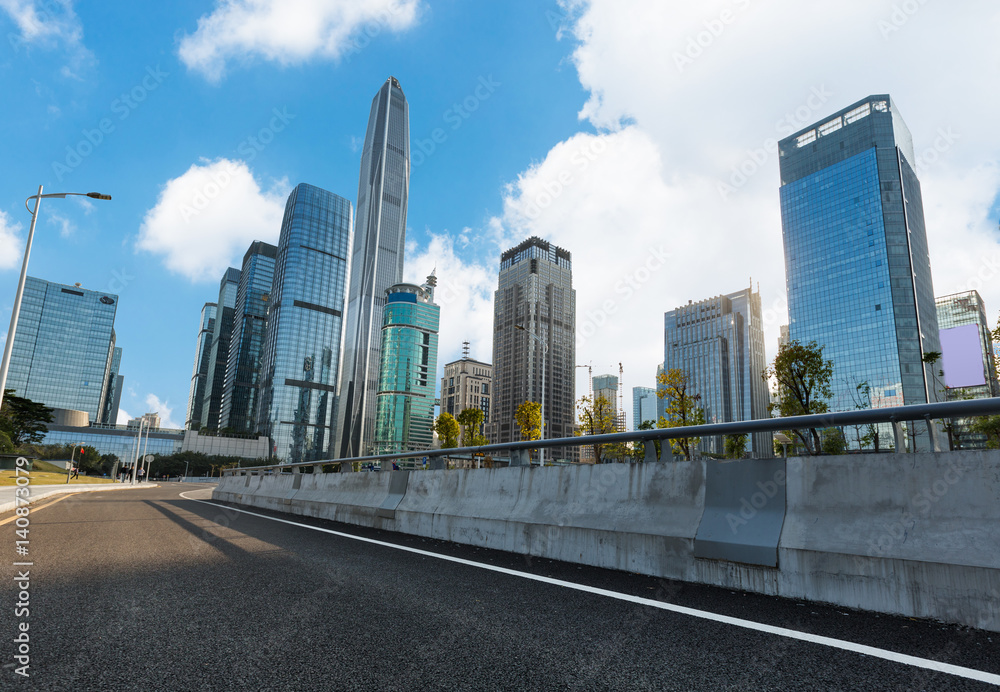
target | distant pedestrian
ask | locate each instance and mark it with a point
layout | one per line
(76, 472)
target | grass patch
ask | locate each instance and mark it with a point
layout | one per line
(45, 477)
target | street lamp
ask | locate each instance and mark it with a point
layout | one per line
(15, 312)
(541, 411)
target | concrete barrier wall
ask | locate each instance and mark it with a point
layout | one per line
(914, 535)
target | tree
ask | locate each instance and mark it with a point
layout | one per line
(6, 446)
(447, 429)
(803, 378)
(989, 426)
(640, 447)
(529, 419)
(833, 441)
(736, 446)
(931, 358)
(862, 397)
(471, 419)
(23, 419)
(682, 408)
(597, 417)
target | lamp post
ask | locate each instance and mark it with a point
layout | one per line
(69, 471)
(15, 312)
(541, 409)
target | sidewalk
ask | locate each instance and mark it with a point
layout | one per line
(7, 502)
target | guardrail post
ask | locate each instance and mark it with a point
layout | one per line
(934, 433)
(296, 469)
(898, 437)
(318, 468)
(517, 457)
(650, 446)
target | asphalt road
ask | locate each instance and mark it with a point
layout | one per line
(146, 590)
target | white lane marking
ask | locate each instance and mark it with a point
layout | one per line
(960, 671)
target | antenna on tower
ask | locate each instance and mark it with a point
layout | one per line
(465, 350)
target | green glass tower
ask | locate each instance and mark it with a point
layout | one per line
(404, 416)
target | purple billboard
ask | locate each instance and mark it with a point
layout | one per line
(962, 356)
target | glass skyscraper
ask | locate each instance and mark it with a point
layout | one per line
(114, 385)
(535, 291)
(199, 376)
(719, 344)
(408, 371)
(304, 333)
(643, 406)
(376, 261)
(63, 347)
(211, 407)
(246, 346)
(856, 260)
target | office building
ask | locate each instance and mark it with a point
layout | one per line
(856, 258)
(114, 386)
(376, 262)
(64, 347)
(246, 346)
(607, 386)
(643, 406)
(211, 407)
(719, 344)
(407, 380)
(967, 367)
(202, 359)
(467, 383)
(304, 334)
(535, 297)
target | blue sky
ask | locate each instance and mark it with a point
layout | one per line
(615, 129)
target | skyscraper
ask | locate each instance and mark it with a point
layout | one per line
(535, 292)
(407, 380)
(966, 348)
(199, 376)
(376, 261)
(222, 334)
(719, 344)
(607, 386)
(246, 346)
(63, 347)
(856, 258)
(115, 383)
(467, 383)
(643, 406)
(304, 333)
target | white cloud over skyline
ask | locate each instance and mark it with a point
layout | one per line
(289, 32)
(11, 243)
(217, 207)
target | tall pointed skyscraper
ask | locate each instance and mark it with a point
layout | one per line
(376, 262)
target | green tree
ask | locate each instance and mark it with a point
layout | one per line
(23, 419)
(989, 426)
(736, 446)
(529, 419)
(803, 378)
(6, 446)
(682, 408)
(597, 417)
(471, 419)
(833, 441)
(447, 429)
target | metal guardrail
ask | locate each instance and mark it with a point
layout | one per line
(894, 416)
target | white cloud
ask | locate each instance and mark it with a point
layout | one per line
(66, 227)
(11, 245)
(49, 25)
(289, 32)
(164, 409)
(123, 417)
(217, 207)
(688, 102)
(464, 292)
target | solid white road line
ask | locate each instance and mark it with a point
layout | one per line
(969, 673)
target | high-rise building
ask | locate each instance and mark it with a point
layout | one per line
(467, 383)
(376, 262)
(407, 380)
(967, 367)
(246, 346)
(202, 360)
(719, 344)
(115, 383)
(150, 420)
(535, 296)
(856, 258)
(63, 347)
(304, 335)
(607, 386)
(222, 334)
(643, 406)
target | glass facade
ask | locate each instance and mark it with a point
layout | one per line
(304, 334)
(246, 346)
(63, 347)
(408, 368)
(211, 408)
(719, 344)
(535, 291)
(856, 260)
(118, 441)
(199, 377)
(113, 388)
(643, 406)
(376, 261)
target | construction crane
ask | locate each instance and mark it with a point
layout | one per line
(590, 379)
(621, 399)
